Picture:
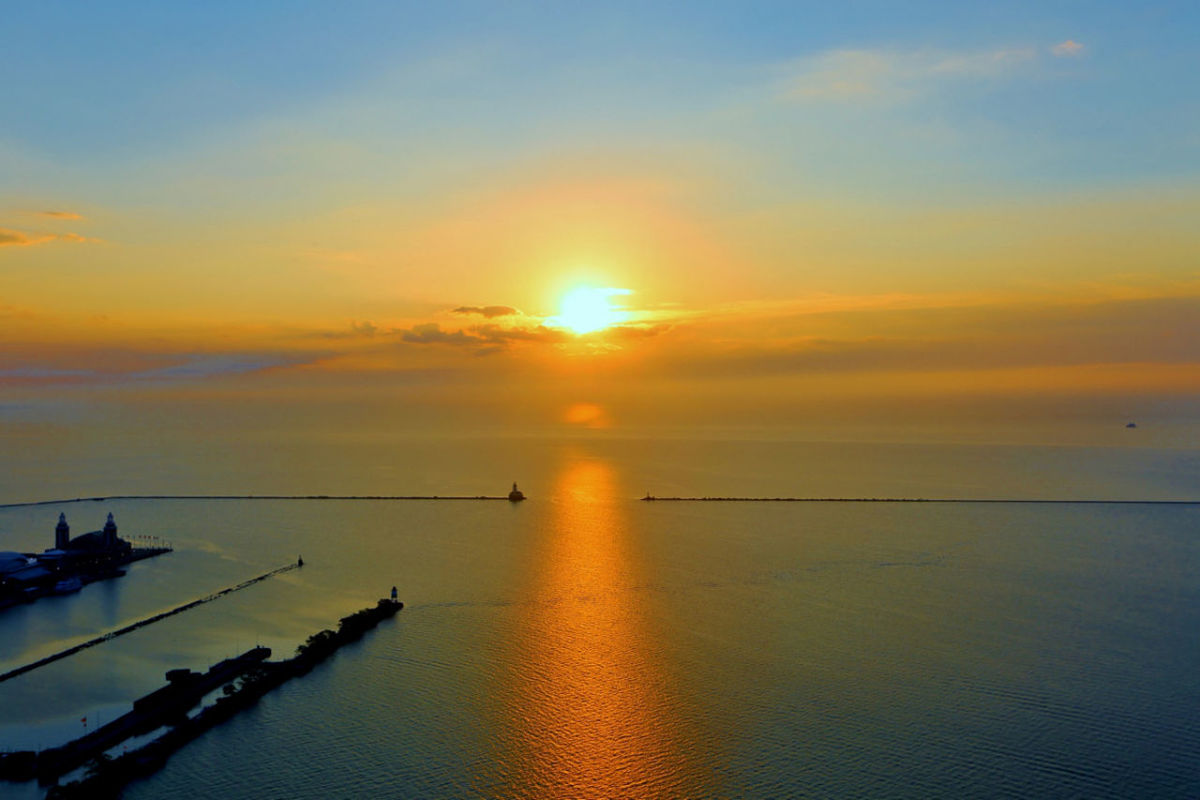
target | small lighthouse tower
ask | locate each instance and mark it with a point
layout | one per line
(110, 532)
(516, 495)
(62, 533)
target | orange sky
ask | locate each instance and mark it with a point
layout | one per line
(833, 229)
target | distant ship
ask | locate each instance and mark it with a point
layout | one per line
(516, 495)
(1130, 425)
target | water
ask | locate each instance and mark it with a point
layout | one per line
(586, 644)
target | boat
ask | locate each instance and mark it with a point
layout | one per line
(68, 585)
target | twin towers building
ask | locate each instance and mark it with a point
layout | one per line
(103, 541)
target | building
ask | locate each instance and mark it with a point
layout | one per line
(70, 564)
(96, 550)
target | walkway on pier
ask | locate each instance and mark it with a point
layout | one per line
(70, 651)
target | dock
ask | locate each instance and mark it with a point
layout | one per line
(247, 679)
(70, 651)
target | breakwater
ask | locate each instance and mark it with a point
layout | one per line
(1012, 500)
(162, 706)
(110, 498)
(247, 679)
(647, 498)
(70, 651)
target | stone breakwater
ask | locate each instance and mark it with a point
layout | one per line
(246, 679)
(70, 651)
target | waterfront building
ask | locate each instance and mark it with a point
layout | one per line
(102, 542)
(62, 533)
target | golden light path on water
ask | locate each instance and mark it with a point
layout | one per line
(594, 719)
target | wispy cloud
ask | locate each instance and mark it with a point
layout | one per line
(1068, 49)
(357, 330)
(59, 214)
(432, 333)
(850, 75)
(53, 364)
(476, 335)
(209, 365)
(489, 312)
(13, 238)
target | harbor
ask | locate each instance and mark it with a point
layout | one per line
(243, 681)
(71, 564)
(70, 651)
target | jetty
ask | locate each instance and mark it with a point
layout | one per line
(256, 497)
(245, 679)
(649, 498)
(70, 651)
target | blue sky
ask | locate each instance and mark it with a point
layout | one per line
(87, 83)
(246, 187)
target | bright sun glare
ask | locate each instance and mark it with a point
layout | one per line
(588, 308)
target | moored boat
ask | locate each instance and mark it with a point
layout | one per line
(68, 585)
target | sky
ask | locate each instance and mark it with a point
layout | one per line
(797, 213)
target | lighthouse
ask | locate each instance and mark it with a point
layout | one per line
(109, 539)
(62, 533)
(516, 495)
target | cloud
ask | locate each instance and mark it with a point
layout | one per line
(1068, 49)
(206, 365)
(1008, 334)
(44, 373)
(357, 330)
(497, 335)
(889, 74)
(489, 312)
(637, 332)
(18, 239)
(118, 365)
(13, 238)
(59, 214)
(432, 333)
(491, 334)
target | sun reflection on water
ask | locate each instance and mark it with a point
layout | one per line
(594, 718)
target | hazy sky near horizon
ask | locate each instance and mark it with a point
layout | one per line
(811, 205)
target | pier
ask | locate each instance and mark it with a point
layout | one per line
(255, 677)
(171, 702)
(72, 563)
(70, 651)
(256, 497)
(649, 498)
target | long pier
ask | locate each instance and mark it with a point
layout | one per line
(167, 704)
(70, 651)
(170, 703)
(648, 498)
(1010, 500)
(252, 497)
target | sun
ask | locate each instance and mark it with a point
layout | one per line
(586, 309)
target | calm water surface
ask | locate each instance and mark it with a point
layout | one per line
(584, 644)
